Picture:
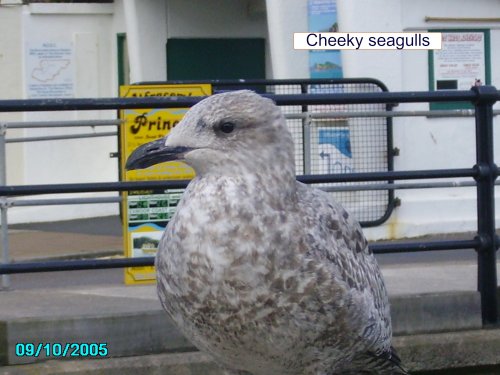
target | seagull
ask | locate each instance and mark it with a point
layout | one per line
(267, 275)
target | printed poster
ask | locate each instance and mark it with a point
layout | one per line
(146, 213)
(322, 16)
(462, 62)
(49, 70)
(334, 146)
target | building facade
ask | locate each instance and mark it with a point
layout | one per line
(126, 41)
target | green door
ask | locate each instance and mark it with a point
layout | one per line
(202, 59)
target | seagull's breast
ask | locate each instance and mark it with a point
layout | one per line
(224, 267)
(244, 279)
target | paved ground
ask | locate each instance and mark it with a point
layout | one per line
(66, 239)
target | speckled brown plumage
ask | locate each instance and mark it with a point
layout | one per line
(269, 276)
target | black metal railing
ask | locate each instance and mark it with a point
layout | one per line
(484, 172)
(370, 138)
(42, 105)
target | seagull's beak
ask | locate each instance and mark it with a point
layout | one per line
(153, 153)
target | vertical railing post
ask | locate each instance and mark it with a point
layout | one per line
(4, 230)
(306, 134)
(486, 176)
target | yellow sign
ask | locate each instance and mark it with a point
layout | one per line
(146, 213)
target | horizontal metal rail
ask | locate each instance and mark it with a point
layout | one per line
(388, 186)
(245, 83)
(21, 190)
(86, 264)
(90, 187)
(34, 105)
(403, 247)
(302, 115)
(58, 201)
(389, 175)
(61, 137)
(346, 114)
(60, 124)
(357, 187)
(73, 265)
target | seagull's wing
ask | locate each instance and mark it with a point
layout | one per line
(335, 239)
(387, 362)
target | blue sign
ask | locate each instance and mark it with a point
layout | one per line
(322, 16)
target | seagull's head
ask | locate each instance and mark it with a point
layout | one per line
(226, 133)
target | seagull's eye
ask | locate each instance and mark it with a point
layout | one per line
(226, 127)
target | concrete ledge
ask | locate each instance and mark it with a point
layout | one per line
(450, 350)
(137, 325)
(125, 334)
(130, 325)
(436, 312)
(425, 352)
(192, 363)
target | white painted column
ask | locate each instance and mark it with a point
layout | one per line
(284, 17)
(134, 45)
(146, 30)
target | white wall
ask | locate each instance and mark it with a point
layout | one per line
(11, 78)
(425, 143)
(372, 16)
(88, 29)
(146, 36)
(406, 70)
(285, 17)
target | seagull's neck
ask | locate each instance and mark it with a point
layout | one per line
(266, 170)
(269, 185)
